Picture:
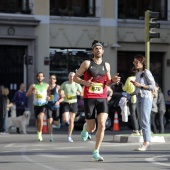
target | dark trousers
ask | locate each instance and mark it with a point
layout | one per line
(134, 116)
(161, 121)
(2, 124)
(153, 122)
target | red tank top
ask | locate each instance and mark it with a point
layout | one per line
(99, 74)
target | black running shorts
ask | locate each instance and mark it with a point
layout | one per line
(70, 107)
(94, 105)
(38, 110)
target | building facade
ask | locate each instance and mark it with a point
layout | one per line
(55, 36)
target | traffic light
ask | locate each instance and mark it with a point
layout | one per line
(151, 24)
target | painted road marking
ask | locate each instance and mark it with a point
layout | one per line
(162, 160)
(159, 160)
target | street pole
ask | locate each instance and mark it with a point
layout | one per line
(147, 39)
(150, 24)
(147, 54)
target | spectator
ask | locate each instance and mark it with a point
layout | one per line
(161, 109)
(144, 85)
(154, 110)
(20, 101)
(4, 107)
(129, 88)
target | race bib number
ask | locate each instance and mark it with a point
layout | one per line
(96, 88)
(69, 97)
(51, 97)
(38, 96)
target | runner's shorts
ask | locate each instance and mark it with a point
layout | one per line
(94, 106)
(70, 107)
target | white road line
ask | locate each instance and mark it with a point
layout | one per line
(54, 156)
(9, 145)
(20, 145)
(114, 144)
(6, 151)
(66, 148)
(153, 161)
(32, 161)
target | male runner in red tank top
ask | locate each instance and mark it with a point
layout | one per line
(96, 77)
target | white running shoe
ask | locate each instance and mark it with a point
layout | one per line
(70, 139)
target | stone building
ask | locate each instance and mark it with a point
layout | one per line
(55, 36)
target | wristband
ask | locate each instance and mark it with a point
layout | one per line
(141, 87)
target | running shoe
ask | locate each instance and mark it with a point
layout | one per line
(51, 139)
(67, 123)
(39, 136)
(89, 136)
(70, 139)
(96, 156)
(58, 126)
(84, 133)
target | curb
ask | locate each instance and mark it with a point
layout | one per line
(137, 139)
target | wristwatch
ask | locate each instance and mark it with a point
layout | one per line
(141, 87)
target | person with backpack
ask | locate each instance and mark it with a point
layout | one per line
(129, 88)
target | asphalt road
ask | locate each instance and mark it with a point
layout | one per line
(24, 152)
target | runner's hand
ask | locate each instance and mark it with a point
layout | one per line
(89, 82)
(116, 78)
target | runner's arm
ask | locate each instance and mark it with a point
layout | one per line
(111, 80)
(30, 90)
(84, 66)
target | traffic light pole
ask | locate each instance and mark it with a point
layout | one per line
(147, 39)
(147, 54)
(150, 24)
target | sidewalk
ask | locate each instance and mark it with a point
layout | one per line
(124, 136)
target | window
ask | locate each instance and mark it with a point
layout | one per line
(15, 6)
(135, 9)
(76, 8)
(63, 61)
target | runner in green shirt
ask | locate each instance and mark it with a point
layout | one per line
(71, 90)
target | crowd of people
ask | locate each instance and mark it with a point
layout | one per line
(144, 95)
(20, 102)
